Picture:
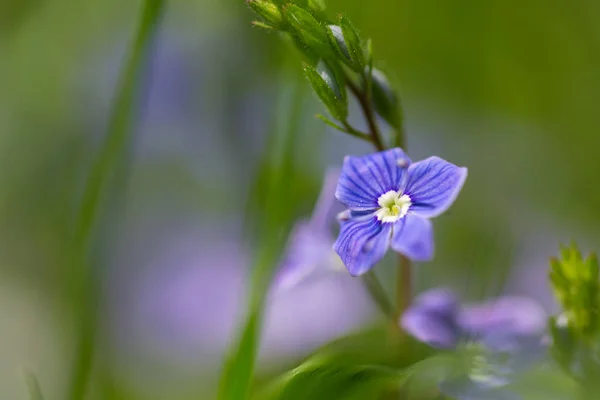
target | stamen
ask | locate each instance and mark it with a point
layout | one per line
(394, 205)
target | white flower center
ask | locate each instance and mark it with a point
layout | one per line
(394, 205)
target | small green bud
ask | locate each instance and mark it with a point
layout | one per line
(267, 10)
(354, 44)
(326, 85)
(308, 30)
(337, 38)
(316, 5)
(577, 288)
(384, 98)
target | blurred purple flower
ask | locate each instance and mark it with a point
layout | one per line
(500, 339)
(309, 254)
(390, 202)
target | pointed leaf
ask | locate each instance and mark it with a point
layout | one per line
(354, 44)
(325, 84)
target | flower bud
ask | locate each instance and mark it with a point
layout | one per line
(308, 30)
(326, 85)
(267, 10)
(384, 98)
(354, 44)
(337, 39)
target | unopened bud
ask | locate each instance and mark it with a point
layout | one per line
(267, 10)
(324, 82)
(339, 42)
(384, 98)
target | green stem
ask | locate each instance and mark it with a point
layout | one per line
(84, 287)
(369, 114)
(404, 271)
(33, 387)
(403, 285)
(355, 132)
(378, 294)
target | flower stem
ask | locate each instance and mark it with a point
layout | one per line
(378, 294)
(404, 274)
(363, 100)
(403, 285)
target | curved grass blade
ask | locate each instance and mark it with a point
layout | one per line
(273, 190)
(83, 287)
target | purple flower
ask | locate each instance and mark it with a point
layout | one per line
(390, 201)
(499, 338)
(309, 255)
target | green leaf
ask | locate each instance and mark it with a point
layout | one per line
(337, 41)
(577, 288)
(329, 122)
(325, 84)
(263, 25)
(83, 285)
(316, 6)
(33, 387)
(267, 10)
(274, 188)
(325, 379)
(354, 44)
(385, 99)
(238, 372)
(310, 32)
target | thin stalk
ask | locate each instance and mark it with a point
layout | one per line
(404, 270)
(403, 285)
(355, 132)
(369, 114)
(378, 294)
(33, 387)
(84, 287)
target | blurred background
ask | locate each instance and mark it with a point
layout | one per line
(508, 88)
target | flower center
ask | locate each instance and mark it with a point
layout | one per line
(394, 205)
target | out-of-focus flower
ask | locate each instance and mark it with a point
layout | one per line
(309, 254)
(495, 340)
(390, 201)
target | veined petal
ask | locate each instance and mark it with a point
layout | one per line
(433, 184)
(363, 179)
(362, 243)
(432, 318)
(308, 256)
(431, 328)
(413, 237)
(440, 300)
(506, 316)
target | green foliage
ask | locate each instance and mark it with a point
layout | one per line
(354, 45)
(575, 334)
(84, 286)
(325, 84)
(385, 99)
(33, 387)
(310, 32)
(269, 11)
(236, 377)
(327, 379)
(274, 188)
(336, 57)
(577, 288)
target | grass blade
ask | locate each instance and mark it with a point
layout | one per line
(83, 286)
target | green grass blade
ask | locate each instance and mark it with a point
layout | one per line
(83, 287)
(33, 387)
(273, 206)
